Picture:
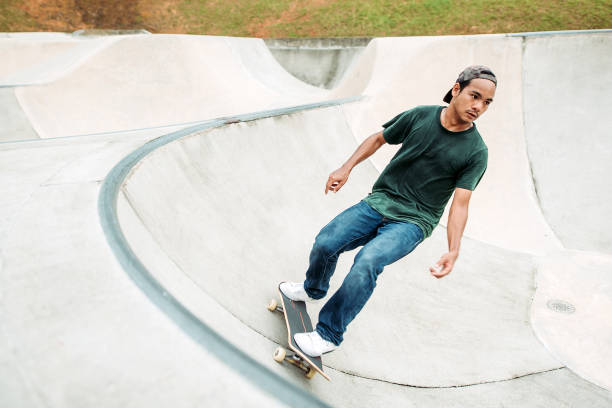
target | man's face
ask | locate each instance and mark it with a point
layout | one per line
(474, 100)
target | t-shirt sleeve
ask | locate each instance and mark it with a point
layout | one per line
(397, 129)
(472, 173)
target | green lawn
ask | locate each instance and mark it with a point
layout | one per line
(319, 18)
(391, 17)
(14, 19)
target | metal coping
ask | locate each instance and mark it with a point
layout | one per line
(242, 363)
(566, 32)
(104, 32)
(287, 43)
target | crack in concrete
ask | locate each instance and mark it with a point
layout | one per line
(451, 386)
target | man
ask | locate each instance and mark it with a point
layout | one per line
(442, 153)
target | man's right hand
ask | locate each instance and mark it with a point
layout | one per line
(336, 180)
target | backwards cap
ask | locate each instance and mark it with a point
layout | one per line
(472, 72)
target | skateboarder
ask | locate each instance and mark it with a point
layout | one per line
(442, 153)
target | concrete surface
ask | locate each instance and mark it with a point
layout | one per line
(196, 78)
(125, 247)
(570, 151)
(321, 62)
(14, 124)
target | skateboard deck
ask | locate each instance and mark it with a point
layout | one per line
(297, 321)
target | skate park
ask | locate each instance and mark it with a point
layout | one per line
(157, 188)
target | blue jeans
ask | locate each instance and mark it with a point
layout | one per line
(384, 242)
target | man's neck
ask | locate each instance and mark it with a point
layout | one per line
(451, 121)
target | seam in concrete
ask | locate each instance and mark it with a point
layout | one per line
(455, 386)
(72, 183)
(68, 163)
(259, 375)
(534, 181)
(112, 132)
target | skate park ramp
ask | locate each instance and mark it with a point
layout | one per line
(167, 184)
(322, 62)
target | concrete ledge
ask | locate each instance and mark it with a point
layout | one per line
(108, 32)
(549, 33)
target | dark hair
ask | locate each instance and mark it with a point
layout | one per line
(463, 84)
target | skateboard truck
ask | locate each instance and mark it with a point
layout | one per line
(280, 355)
(273, 306)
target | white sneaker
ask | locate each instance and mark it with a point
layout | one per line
(295, 291)
(313, 344)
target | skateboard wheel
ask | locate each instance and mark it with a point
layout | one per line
(310, 373)
(272, 305)
(279, 354)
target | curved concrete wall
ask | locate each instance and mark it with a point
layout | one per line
(321, 62)
(567, 109)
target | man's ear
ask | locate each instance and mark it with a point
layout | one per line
(456, 89)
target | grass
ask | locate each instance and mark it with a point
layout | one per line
(14, 19)
(342, 18)
(438, 17)
(335, 18)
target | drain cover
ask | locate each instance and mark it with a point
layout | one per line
(561, 306)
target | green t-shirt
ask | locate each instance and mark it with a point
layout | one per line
(420, 179)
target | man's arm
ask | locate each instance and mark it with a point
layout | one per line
(339, 177)
(457, 218)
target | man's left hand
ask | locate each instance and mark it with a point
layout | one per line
(444, 266)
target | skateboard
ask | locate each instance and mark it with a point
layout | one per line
(297, 321)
